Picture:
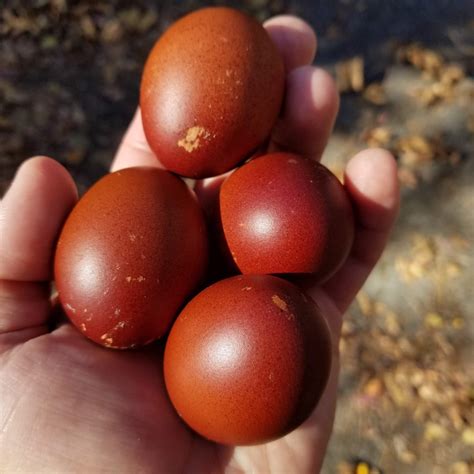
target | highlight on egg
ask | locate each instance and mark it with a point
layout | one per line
(211, 91)
(247, 360)
(133, 248)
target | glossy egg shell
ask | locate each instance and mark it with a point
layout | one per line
(247, 360)
(211, 91)
(282, 213)
(130, 252)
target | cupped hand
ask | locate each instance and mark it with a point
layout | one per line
(68, 405)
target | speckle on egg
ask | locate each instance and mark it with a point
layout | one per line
(280, 303)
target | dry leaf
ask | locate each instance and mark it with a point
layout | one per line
(424, 59)
(434, 432)
(391, 324)
(452, 74)
(375, 94)
(460, 467)
(378, 137)
(401, 448)
(407, 178)
(362, 468)
(470, 124)
(434, 320)
(345, 468)
(364, 302)
(457, 323)
(88, 27)
(415, 149)
(373, 388)
(112, 31)
(350, 75)
(468, 436)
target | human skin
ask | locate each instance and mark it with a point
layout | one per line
(68, 405)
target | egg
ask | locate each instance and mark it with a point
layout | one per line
(130, 252)
(282, 213)
(247, 360)
(221, 263)
(211, 91)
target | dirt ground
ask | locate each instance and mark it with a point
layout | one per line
(69, 77)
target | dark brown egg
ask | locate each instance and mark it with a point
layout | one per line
(221, 263)
(211, 91)
(130, 252)
(247, 359)
(282, 213)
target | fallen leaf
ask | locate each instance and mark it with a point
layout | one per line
(350, 75)
(434, 320)
(435, 432)
(468, 436)
(375, 94)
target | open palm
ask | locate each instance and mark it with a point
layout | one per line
(68, 405)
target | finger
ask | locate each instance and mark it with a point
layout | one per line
(372, 183)
(309, 113)
(32, 212)
(31, 215)
(134, 149)
(294, 38)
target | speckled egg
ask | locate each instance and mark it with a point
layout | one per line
(247, 360)
(211, 91)
(282, 213)
(130, 252)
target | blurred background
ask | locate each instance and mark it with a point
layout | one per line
(69, 79)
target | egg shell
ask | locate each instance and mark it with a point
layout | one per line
(247, 360)
(130, 252)
(221, 263)
(211, 91)
(282, 213)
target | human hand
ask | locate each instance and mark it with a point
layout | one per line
(68, 405)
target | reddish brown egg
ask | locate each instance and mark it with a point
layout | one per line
(221, 263)
(211, 90)
(130, 252)
(282, 213)
(247, 359)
